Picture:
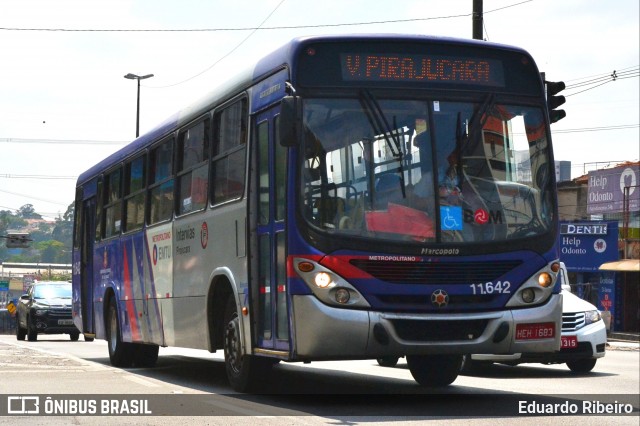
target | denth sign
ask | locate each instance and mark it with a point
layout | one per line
(587, 245)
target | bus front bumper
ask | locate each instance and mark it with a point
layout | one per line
(324, 332)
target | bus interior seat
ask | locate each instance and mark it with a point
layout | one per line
(388, 189)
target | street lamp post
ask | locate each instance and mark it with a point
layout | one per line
(137, 77)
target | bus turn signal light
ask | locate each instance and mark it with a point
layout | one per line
(545, 279)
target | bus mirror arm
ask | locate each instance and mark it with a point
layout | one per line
(289, 123)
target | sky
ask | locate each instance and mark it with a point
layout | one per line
(65, 104)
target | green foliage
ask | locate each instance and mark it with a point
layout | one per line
(51, 243)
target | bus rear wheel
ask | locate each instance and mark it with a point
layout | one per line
(243, 371)
(120, 353)
(434, 370)
(145, 355)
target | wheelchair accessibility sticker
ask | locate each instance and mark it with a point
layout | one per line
(451, 218)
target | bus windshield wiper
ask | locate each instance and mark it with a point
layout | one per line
(379, 122)
(380, 125)
(479, 117)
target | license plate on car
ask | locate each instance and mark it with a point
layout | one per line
(65, 322)
(545, 330)
(567, 342)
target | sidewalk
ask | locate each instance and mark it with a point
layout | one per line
(626, 341)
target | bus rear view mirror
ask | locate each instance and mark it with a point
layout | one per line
(288, 124)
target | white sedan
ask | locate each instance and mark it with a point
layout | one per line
(583, 340)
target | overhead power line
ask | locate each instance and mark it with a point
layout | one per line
(597, 129)
(602, 79)
(260, 27)
(62, 141)
(47, 177)
(35, 198)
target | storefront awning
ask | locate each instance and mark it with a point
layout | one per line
(625, 265)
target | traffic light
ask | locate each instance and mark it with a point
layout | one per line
(554, 101)
(18, 240)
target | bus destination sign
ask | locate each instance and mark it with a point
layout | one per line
(415, 68)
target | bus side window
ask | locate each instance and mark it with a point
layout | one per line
(98, 224)
(134, 192)
(193, 170)
(228, 163)
(161, 182)
(112, 216)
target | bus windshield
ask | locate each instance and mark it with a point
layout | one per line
(426, 170)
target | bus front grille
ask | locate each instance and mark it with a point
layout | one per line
(438, 331)
(403, 272)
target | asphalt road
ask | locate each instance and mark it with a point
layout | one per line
(188, 382)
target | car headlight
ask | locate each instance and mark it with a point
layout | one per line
(592, 316)
(41, 312)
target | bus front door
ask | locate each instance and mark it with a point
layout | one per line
(86, 268)
(268, 275)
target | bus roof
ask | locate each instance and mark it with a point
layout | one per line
(285, 56)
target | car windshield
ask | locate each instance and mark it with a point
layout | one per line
(427, 171)
(52, 291)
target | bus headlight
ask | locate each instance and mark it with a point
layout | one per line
(536, 289)
(342, 296)
(528, 295)
(323, 280)
(328, 286)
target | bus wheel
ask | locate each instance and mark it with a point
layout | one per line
(120, 353)
(243, 371)
(434, 370)
(145, 355)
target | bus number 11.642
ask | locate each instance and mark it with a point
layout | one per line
(491, 287)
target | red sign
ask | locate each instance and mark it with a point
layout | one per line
(568, 342)
(546, 330)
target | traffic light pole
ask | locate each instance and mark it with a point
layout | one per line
(476, 19)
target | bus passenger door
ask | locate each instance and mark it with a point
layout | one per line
(268, 273)
(86, 263)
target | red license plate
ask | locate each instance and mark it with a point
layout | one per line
(546, 330)
(568, 342)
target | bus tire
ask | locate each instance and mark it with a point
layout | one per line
(120, 353)
(434, 370)
(88, 339)
(243, 371)
(145, 355)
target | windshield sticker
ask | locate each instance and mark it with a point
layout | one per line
(451, 218)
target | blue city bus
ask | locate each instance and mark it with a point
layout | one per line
(349, 197)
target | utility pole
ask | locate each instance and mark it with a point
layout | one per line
(476, 18)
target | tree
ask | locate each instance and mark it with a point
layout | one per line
(52, 251)
(28, 212)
